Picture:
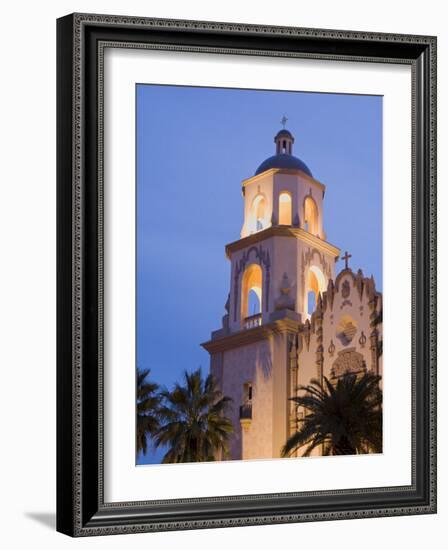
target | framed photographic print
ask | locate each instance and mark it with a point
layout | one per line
(246, 274)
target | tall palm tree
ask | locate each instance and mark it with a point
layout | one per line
(148, 402)
(345, 416)
(194, 425)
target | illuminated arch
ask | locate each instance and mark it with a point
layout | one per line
(284, 208)
(315, 285)
(259, 213)
(311, 216)
(252, 281)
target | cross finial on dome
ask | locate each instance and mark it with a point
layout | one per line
(283, 121)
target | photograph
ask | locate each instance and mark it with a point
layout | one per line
(246, 273)
(220, 275)
(259, 274)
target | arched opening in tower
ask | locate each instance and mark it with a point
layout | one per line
(285, 208)
(315, 285)
(251, 294)
(311, 216)
(254, 305)
(259, 213)
(311, 301)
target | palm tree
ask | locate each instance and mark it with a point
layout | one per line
(194, 425)
(148, 402)
(345, 417)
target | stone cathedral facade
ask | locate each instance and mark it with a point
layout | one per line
(289, 317)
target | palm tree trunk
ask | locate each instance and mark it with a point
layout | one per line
(343, 447)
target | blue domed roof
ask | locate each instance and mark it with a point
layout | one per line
(282, 160)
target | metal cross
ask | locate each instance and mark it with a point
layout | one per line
(283, 121)
(346, 258)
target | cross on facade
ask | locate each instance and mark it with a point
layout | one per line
(346, 258)
(283, 121)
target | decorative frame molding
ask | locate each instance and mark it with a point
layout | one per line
(81, 39)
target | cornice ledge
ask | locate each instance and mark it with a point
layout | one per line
(282, 231)
(249, 336)
(288, 171)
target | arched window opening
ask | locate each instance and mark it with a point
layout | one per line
(285, 208)
(315, 285)
(259, 212)
(254, 305)
(251, 296)
(311, 216)
(311, 306)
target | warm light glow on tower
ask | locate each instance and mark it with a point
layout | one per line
(252, 280)
(311, 216)
(285, 208)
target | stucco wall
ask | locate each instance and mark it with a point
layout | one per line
(250, 363)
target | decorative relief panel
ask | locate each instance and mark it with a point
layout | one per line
(345, 291)
(349, 361)
(346, 330)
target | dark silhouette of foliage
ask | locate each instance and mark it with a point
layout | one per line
(148, 402)
(193, 422)
(343, 416)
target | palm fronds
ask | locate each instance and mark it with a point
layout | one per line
(193, 422)
(344, 417)
(148, 402)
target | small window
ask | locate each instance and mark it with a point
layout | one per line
(247, 393)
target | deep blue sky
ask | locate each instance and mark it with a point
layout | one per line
(194, 146)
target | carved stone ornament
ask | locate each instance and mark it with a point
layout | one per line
(346, 331)
(307, 334)
(345, 289)
(348, 361)
(284, 301)
(362, 339)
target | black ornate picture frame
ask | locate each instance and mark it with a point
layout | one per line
(81, 509)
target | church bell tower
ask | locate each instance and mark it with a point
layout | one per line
(280, 267)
